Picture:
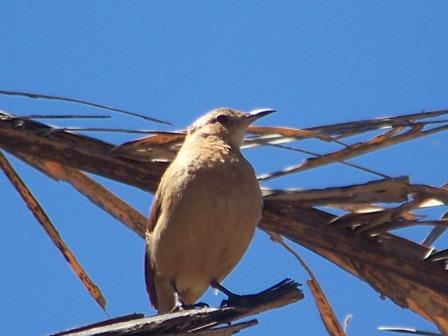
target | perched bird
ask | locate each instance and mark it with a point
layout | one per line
(204, 213)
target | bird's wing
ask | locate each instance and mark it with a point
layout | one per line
(149, 269)
(154, 213)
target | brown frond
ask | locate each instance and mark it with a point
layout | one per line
(359, 240)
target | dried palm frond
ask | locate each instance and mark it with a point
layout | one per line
(199, 322)
(359, 241)
(51, 231)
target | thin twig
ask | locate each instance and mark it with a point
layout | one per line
(108, 130)
(63, 116)
(345, 163)
(405, 330)
(80, 101)
(327, 315)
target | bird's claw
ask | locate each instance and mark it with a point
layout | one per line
(200, 305)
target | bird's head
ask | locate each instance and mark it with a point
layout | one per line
(226, 124)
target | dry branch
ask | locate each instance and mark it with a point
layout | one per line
(376, 143)
(203, 322)
(343, 130)
(80, 152)
(327, 314)
(50, 230)
(95, 192)
(386, 190)
(392, 265)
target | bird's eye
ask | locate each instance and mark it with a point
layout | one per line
(222, 119)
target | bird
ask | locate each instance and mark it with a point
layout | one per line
(204, 212)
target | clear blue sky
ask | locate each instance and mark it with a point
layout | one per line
(317, 62)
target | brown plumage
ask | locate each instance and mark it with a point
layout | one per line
(204, 213)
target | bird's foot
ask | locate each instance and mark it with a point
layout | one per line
(199, 305)
(183, 306)
(180, 304)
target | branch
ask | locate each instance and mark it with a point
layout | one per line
(203, 322)
(392, 265)
(80, 152)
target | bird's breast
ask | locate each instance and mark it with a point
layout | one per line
(217, 194)
(208, 217)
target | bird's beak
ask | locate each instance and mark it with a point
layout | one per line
(257, 114)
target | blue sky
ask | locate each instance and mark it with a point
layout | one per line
(316, 62)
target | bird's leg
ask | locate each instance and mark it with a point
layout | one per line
(232, 298)
(216, 285)
(180, 305)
